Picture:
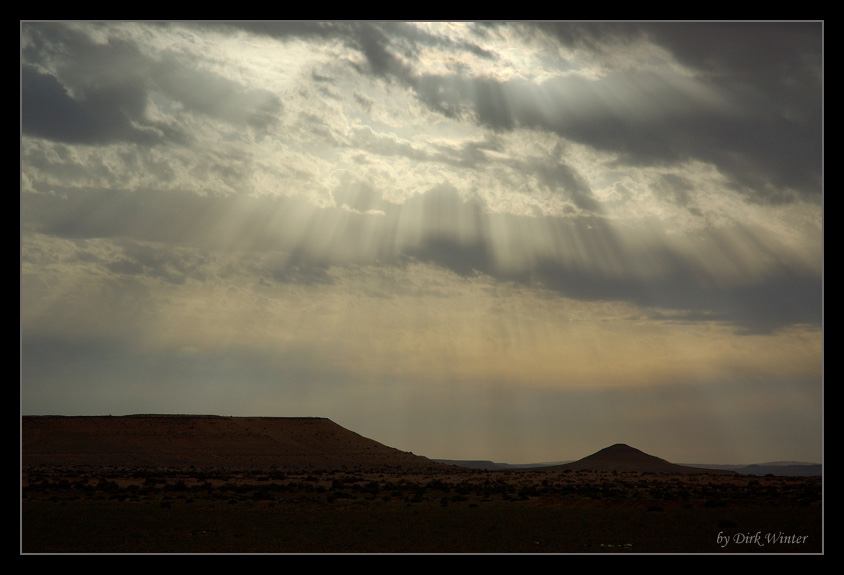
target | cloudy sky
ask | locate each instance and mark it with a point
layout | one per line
(512, 241)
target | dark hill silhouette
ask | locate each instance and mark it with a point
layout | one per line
(207, 441)
(621, 457)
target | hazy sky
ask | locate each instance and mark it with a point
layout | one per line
(512, 241)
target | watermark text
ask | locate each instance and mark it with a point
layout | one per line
(759, 539)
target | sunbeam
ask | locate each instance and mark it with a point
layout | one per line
(473, 240)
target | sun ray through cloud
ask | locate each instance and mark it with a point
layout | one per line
(526, 232)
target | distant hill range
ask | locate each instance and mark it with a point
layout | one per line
(773, 468)
(207, 441)
(287, 443)
(621, 457)
(493, 466)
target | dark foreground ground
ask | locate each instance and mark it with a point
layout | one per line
(165, 510)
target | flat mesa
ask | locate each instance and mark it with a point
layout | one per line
(202, 440)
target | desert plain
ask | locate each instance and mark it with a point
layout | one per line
(209, 484)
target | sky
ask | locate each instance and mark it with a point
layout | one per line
(513, 241)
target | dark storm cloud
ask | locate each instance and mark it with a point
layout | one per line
(785, 55)
(300, 269)
(105, 115)
(315, 237)
(98, 93)
(180, 218)
(609, 270)
(774, 71)
(752, 109)
(781, 56)
(168, 264)
(781, 298)
(380, 55)
(654, 123)
(463, 257)
(595, 263)
(765, 134)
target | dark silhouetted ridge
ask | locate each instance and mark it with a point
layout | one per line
(206, 441)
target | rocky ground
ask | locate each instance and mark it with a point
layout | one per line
(137, 509)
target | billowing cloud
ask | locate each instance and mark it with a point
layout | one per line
(415, 214)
